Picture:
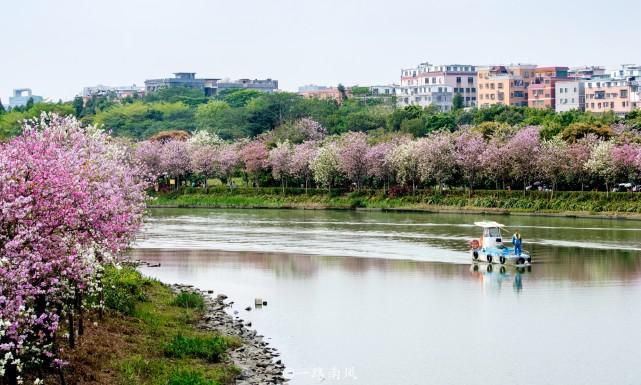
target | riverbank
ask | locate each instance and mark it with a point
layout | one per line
(562, 204)
(155, 334)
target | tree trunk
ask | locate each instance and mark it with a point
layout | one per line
(81, 324)
(72, 331)
(61, 375)
(11, 374)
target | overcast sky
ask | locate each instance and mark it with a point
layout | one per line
(57, 47)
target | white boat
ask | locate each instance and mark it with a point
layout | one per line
(491, 249)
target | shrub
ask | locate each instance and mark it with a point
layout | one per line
(188, 377)
(123, 287)
(208, 348)
(189, 300)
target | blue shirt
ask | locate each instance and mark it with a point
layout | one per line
(516, 241)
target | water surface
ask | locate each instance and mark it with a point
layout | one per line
(391, 298)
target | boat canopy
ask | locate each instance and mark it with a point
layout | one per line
(488, 224)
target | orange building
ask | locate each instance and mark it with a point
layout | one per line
(505, 85)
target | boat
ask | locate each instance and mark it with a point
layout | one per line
(491, 249)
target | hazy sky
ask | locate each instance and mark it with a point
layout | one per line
(57, 47)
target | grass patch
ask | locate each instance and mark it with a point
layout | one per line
(516, 201)
(189, 300)
(189, 377)
(137, 343)
(208, 348)
(124, 288)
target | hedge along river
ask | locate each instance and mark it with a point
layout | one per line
(392, 298)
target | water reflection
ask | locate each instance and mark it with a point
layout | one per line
(493, 276)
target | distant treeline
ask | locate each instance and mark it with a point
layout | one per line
(249, 113)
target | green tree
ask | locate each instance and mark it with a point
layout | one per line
(457, 102)
(238, 97)
(342, 91)
(270, 111)
(2, 110)
(29, 104)
(78, 105)
(186, 95)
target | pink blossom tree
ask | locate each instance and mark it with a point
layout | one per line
(468, 152)
(378, 164)
(227, 162)
(254, 158)
(579, 153)
(302, 158)
(71, 199)
(352, 154)
(495, 162)
(404, 159)
(149, 154)
(174, 160)
(522, 151)
(553, 162)
(203, 160)
(625, 158)
(280, 161)
(437, 158)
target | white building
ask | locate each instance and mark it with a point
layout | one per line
(570, 95)
(627, 72)
(21, 97)
(461, 78)
(117, 92)
(385, 90)
(439, 96)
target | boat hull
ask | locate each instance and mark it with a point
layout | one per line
(501, 256)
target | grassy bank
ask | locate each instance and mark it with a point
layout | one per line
(484, 200)
(147, 337)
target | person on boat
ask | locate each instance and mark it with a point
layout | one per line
(516, 241)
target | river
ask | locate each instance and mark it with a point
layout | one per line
(380, 298)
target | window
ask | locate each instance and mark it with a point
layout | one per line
(470, 80)
(467, 90)
(624, 94)
(458, 79)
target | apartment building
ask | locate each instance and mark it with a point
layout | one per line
(505, 85)
(618, 95)
(542, 91)
(570, 95)
(419, 82)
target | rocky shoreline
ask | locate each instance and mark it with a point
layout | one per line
(258, 362)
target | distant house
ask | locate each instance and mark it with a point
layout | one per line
(119, 92)
(21, 96)
(210, 86)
